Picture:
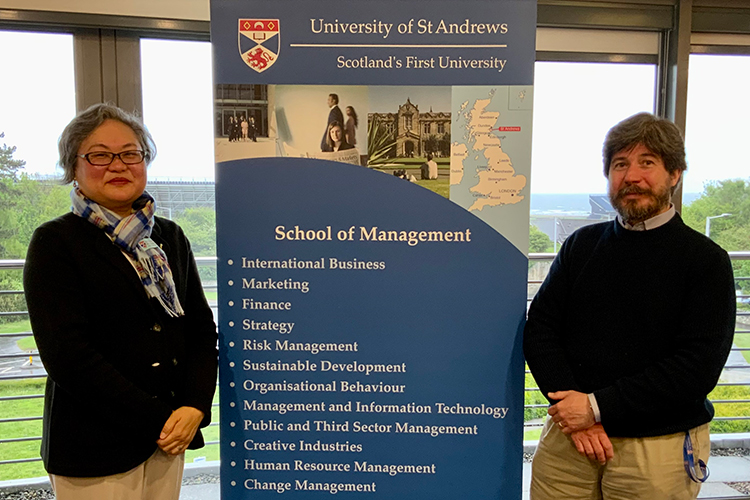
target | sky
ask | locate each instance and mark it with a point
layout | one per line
(37, 95)
(574, 106)
(388, 99)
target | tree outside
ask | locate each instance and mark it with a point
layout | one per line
(538, 241)
(25, 203)
(732, 231)
(199, 225)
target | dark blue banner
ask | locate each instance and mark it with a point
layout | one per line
(383, 42)
(373, 165)
(370, 338)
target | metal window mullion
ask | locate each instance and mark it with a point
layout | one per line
(676, 82)
(21, 377)
(128, 71)
(21, 355)
(108, 65)
(721, 20)
(19, 419)
(26, 396)
(20, 461)
(20, 440)
(108, 68)
(87, 56)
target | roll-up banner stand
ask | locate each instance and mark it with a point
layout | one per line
(372, 204)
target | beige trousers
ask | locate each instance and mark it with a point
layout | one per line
(642, 468)
(158, 478)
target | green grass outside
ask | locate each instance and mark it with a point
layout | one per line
(532, 434)
(731, 409)
(24, 343)
(15, 409)
(27, 344)
(16, 326)
(743, 340)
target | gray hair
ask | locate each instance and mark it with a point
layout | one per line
(89, 120)
(659, 135)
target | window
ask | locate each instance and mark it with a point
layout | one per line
(178, 99)
(177, 107)
(37, 99)
(716, 186)
(574, 105)
(37, 92)
(178, 110)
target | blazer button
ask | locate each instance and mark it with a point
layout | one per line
(156, 327)
(174, 361)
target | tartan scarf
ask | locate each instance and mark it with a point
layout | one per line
(132, 235)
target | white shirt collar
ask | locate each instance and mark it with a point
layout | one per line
(652, 223)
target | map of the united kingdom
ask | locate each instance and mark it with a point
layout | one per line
(498, 183)
(491, 155)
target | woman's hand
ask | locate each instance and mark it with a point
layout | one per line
(179, 430)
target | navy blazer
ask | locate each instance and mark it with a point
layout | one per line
(117, 363)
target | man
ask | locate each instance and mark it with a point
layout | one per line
(253, 131)
(429, 168)
(629, 333)
(334, 115)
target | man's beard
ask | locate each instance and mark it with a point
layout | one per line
(632, 211)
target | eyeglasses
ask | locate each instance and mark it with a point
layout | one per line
(104, 158)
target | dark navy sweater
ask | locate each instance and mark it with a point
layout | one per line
(643, 319)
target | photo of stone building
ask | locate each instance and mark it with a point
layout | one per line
(417, 133)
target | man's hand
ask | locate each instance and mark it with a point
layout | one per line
(594, 444)
(572, 412)
(179, 430)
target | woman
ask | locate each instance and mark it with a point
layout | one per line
(122, 325)
(352, 122)
(244, 126)
(335, 138)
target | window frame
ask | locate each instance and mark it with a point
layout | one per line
(107, 47)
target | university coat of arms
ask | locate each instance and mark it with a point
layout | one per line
(259, 43)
